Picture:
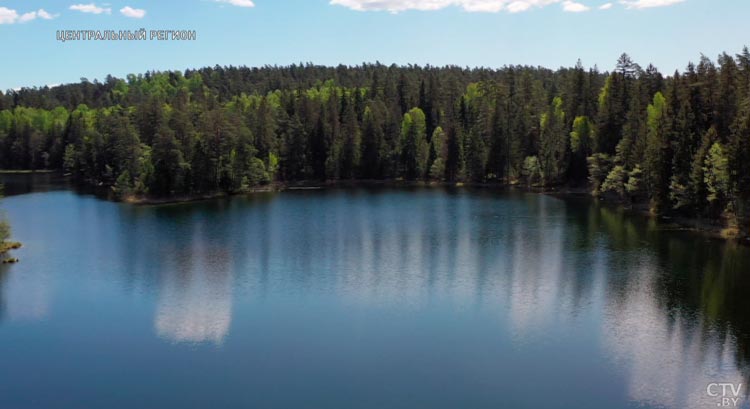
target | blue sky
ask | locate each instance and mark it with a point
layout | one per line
(490, 33)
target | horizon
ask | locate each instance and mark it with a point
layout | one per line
(474, 34)
(374, 63)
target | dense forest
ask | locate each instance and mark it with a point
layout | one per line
(680, 143)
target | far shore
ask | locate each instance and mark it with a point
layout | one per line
(712, 228)
(310, 185)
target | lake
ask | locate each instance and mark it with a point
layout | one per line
(364, 298)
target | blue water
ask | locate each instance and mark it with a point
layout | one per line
(365, 298)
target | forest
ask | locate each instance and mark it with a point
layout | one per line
(679, 143)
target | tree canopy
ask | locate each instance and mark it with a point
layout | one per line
(679, 142)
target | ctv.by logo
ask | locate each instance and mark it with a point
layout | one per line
(727, 393)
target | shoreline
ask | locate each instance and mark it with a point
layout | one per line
(713, 228)
(307, 186)
(717, 229)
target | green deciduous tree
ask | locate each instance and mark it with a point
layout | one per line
(658, 161)
(414, 148)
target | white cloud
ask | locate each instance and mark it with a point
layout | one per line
(518, 6)
(91, 8)
(128, 11)
(238, 3)
(9, 16)
(46, 16)
(573, 7)
(645, 4)
(394, 6)
(26, 17)
(485, 6)
(480, 6)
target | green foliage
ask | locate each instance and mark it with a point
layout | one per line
(554, 152)
(256, 173)
(581, 145)
(600, 165)
(374, 149)
(145, 173)
(123, 185)
(680, 142)
(658, 160)
(414, 146)
(616, 181)
(476, 156)
(438, 154)
(716, 174)
(634, 187)
(532, 171)
(272, 166)
(581, 138)
(70, 159)
(739, 155)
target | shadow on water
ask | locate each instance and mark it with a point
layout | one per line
(686, 294)
(19, 184)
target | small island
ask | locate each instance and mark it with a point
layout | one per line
(5, 248)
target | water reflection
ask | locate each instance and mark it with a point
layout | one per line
(196, 304)
(674, 316)
(668, 308)
(18, 184)
(661, 313)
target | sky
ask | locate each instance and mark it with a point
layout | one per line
(487, 33)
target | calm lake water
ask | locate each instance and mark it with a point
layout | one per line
(362, 298)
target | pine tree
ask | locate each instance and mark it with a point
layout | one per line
(372, 142)
(352, 145)
(684, 144)
(498, 155)
(554, 151)
(739, 164)
(170, 166)
(454, 160)
(581, 141)
(727, 101)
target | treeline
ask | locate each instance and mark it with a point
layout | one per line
(678, 142)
